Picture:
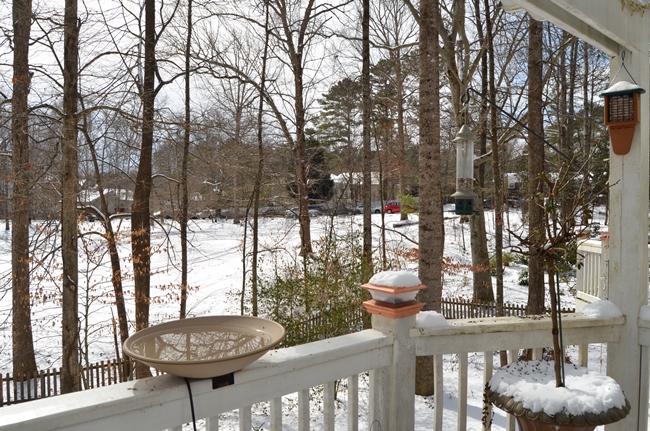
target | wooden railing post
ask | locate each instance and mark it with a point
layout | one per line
(392, 389)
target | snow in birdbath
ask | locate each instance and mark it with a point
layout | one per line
(430, 319)
(395, 279)
(602, 310)
(533, 384)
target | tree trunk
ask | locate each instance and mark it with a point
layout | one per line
(431, 226)
(535, 170)
(300, 160)
(260, 167)
(140, 221)
(296, 53)
(24, 361)
(499, 197)
(116, 270)
(587, 137)
(482, 279)
(186, 154)
(70, 370)
(366, 190)
(401, 134)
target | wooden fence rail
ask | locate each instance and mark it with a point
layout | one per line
(46, 383)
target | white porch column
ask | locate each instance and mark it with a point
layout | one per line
(613, 26)
(628, 245)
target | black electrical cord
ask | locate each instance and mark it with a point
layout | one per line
(189, 390)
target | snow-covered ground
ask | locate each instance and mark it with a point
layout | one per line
(216, 274)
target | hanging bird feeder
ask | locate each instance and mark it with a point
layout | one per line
(622, 114)
(464, 171)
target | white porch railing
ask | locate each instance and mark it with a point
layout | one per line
(591, 275)
(388, 352)
(592, 272)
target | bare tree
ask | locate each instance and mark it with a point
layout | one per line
(394, 34)
(140, 213)
(431, 227)
(109, 234)
(186, 154)
(366, 126)
(460, 68)
(535, 169)
(295, 31)
(260, 168)
(24, 361)
(70, 371)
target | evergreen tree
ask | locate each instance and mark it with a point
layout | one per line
(320, 186)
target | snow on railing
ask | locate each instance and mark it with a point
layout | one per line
(163, 403)
(484, 338)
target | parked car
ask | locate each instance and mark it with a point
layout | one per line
(295, 212)
(88, 216)
(392, 207)
(271, 211)
(376, 209)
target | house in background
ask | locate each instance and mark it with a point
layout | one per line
(348, 187)
(118, 201)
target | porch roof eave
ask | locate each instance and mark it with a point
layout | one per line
(607, 25)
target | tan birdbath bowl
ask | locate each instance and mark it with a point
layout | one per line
(204, 347)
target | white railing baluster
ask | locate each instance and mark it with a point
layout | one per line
(303, 410)
(488, 368)
(513, 356)
(462, 391)
(644, 389)
(591, 275)
(328, 406)
(583, 355)
(276, 414)
(161, 402)
(353, 403)
(438, 392)
(245, 419)
(212, 423)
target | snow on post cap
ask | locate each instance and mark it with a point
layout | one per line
(395, 279)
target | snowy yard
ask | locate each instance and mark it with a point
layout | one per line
(216, 280)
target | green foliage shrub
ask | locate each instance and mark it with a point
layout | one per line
(506, 259)
(523, 278)
(409, 204)
(318, 296)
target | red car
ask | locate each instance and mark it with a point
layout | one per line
(392, 207)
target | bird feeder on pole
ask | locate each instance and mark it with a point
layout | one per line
(464, 195)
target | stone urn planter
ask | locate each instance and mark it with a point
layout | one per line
(527, 390)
